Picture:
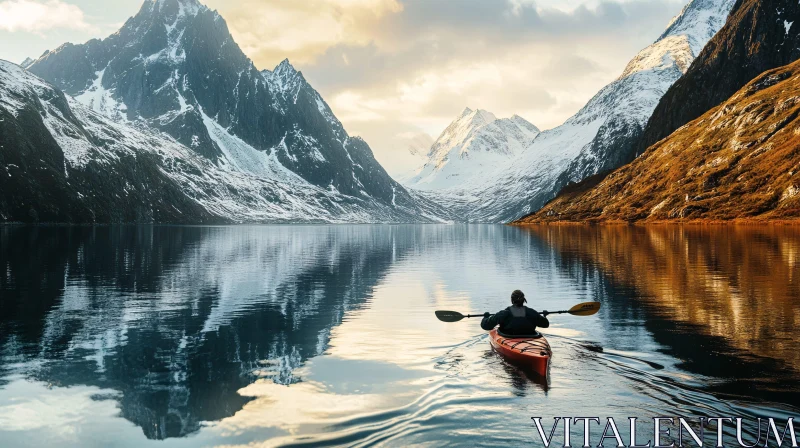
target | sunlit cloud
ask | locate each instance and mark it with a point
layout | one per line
(269, 31)
(40, 16)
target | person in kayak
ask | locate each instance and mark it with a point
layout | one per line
(517, 319)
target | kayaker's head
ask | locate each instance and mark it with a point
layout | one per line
(518, 298)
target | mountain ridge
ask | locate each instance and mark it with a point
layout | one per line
(175, 68)
(753, 37)
(737, 161)
(62, 162)
(598, 138)
(771, 42)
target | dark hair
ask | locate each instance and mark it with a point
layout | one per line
(518, 297)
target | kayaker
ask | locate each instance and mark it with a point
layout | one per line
(517, 319)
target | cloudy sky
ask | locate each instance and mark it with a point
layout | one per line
(395, 68)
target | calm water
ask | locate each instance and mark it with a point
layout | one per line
(273, 335)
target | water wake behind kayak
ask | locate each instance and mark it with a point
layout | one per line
(470, 380)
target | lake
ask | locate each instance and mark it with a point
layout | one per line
(326, 335)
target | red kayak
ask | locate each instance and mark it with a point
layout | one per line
(531, 352)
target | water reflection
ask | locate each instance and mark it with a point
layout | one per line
(273, 335)
(724, 300)
(179, 319)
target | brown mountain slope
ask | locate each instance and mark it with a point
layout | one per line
(739, 160)
(759, 35)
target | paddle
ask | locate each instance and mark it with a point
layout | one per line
(581, 309)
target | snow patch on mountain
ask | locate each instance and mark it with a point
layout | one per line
(239, 156)
(664, 54)
(102, 100)
(19, 88)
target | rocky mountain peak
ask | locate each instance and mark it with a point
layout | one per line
(173, 15)
(481, 117)
(684, 38)
(467, 122)
(285, 68)
(285, 78)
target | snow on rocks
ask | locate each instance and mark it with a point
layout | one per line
(101, 100)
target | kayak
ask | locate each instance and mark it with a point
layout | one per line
(530, 352)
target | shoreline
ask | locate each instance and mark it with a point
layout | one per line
(694, 222)
(224, 224)
(615, 223)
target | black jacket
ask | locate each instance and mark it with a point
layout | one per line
(510, 324)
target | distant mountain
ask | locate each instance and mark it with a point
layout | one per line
(405, 154)
(62, 162)
(474, 142)
(26, 63)
(417, 144)
(739, 160)
(760, 35)
(600, 137)
(175, 68)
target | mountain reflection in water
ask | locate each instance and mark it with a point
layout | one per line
(725, 300)
(178, 319)
(325, 334)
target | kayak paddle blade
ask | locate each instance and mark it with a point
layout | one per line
(449, 316)
(585, 309)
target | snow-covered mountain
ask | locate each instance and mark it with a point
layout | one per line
(175, 68)
(600, 137)
(63, 162)
(471, 144)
